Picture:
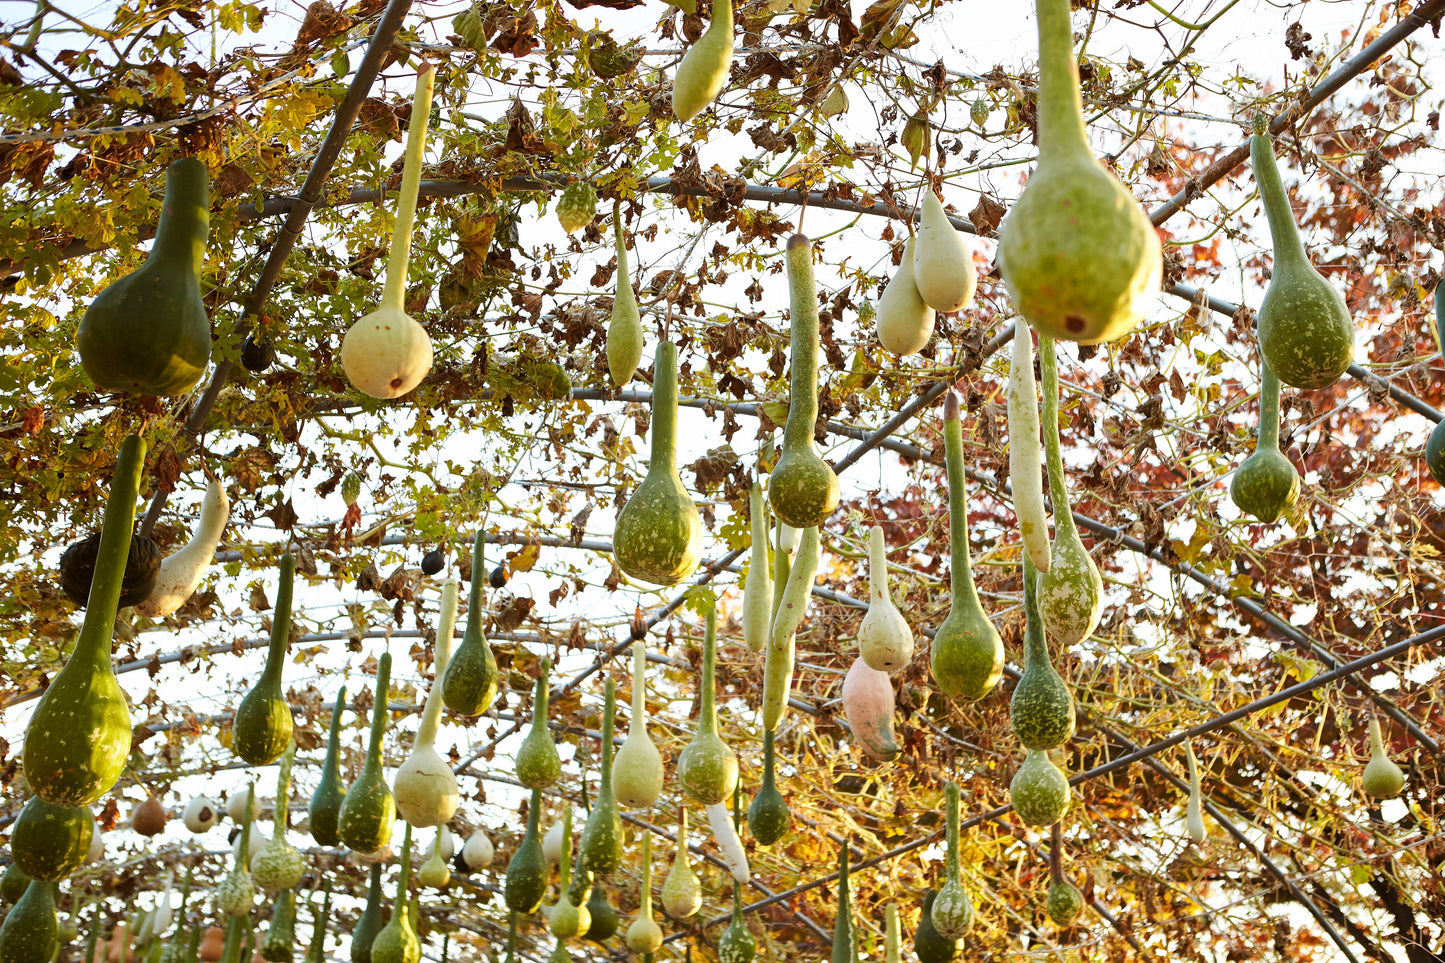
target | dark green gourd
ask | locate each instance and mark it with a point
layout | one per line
(803, 488)
(538, 765)
(736, 944)
(599, 850)
(845, 940)
(470, 682)
(952, 912)
(279, 944)
(397, 942)
(325, 807)
(369, 809)
(369, 924)
(316, 952)
(1039, 791)
(1064, 903)
(966, 657)
(527, 872)
(13, 884)
(1305, 331)
(928, 944)
(1435, 447)
(263, 726)
(1041, 711)
(79, 735)
(769, 816)
(658, 537)
(147, 333)
(1266, 484)
(604, 916)
(51, 842)
(707, 768)
(31, 930)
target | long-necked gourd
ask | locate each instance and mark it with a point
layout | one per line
(316, 951)
(768, 815)
(278, 865)
(470, 682)
(952, 912)
(681, 890)
(758, 587)
(1266, 484)
(147, 333)
(1078, 255)
(884, 639)
(1039, 791)
(966, 657)
(434, 871)
(237, 891)
(1024, 468)
(778, 667)
(1382, 778)
(943, 270)
(707, 767)
(262, 727)
(868, 707)
(397, 942)
(386, 353)
(538, 764)
(624, 329)
(1041, 711)
(566, 919)
(905, 320)
(1194, 811)
(369, 809)
(1071, 593)
(426, 791)
(704, 68)
(79, 735)
(929, 945)
(370, 922)
(279, 943)
(50, 842)
(803, 488)
(1305, 332)
(658, 536)
(599, 849)
(644, 935)
(325, 808)
(1435, 446)
(605, 918)
(736, 943)
(845, 939)
(31, 931)
(527, 872)
(637, 769)
(182, 570)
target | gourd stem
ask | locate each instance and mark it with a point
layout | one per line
(93, 644)
(539, 698)
(280, 621)
(378, 712)
(803, 353)
(877, 566)
(768, 761)
(1036, 649)
(707, 721)
(664, 410)
(645, 910)
(639, 687)
(1058, 493)
(185, 217)
(1061, 107)
(243, 859)
(1289, 249)
(1056, 854)
(283, 789)
(400, 254)
(609, 719)
(1268, 408)
(511, 936)
(960, 571)
(892, 936)
(951, 818)
(426, 732)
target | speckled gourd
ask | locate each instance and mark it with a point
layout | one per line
(905, 320)
(637, 769)
(736, 943)
(704, 68)
(369, 809)
(1041, 710)
(527, 873)
(599, 848)
(425, 788)
(1266, 484)
(279, 943)
(325, 807)
(768, 815)
(470, 682)
(707, 767)
(538, 764)
(397, 941)
(943, 270)
(262, 727)
(278, 865)
(31, 931)
(1064, 903)
(50, 842)
(928, 944)
(1039, 791)
(884, 639)
(236, 892)
(952, 912)
(681, 890)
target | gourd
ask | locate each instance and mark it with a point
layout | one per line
(758, 588)
(142, 568)
(1266, 484)
(386, 353)
(868, 707)
(1306, 335)
(470, 682)
(786, 543)
(181, 948)
(278, 946)
(369, 809)
(369, 923)
(527, 872)
(163, 914)
(884, 639)
(952, 912)
(577, 207)
(478, 851)
(1078, 255)
(1194, 815)
(13, 883)
(79, 736)
(704, 68)
(658, 536)
(943, 270)
(1435, 446)
(552, 843)
(397, 942)
(637, 771)
(803, 488)
(905, 321)
(929, 945)
(1024, 472)
(325, 808)
(1382, 778)
(426, 791)
(1039, 791)
(31, 931)
(262, 727)
(681, 890)
(966, 658)
(182, 570)
(736, 943)
(278, 865)
(1041, 711)
(604, 917)
(778, 668)
(599, 849)
(316, 952)
(707, 768)
(48, 842)
(768, 815)
(213, 944)
(236, 892)
(149, 818)
(200, 815)
(564, 918)
(845, 946)
(624, 330)
(644, 935)
(1064, 903)
(730, 847)
(1071, 593)
(147, 333)
(538, 764)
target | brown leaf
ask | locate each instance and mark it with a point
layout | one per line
(166, 469)
(284, 515)
(986, 215)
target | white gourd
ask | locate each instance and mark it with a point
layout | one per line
(446, 842)
(183, 569)
(200, 814)
(161, 917)
(1024, 453)
(758, 589)
(725, 834)
(425, 788)
(478, 852)
(943, 268)
(236, 803)
(1194, 818)
(552, 843)
(905, 321)
(884, 639)
(637, 769)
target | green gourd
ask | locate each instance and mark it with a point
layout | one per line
(13, 884)
(1071, 593)
(316, 952)
(565, 918)
(658, 536)
(803, 488)
(681, 890)
(1266, 484)
(147, 333)
(637, 771)
(369, 923)
(425, 788)
(605, 919)
(538, 764)
(397, 942)
(527, 872)
(952, 912)
(966, 657)
(599, 849)
(31, 931)
(778, 668)
(905, 320)
(758, 588)
(237, 891)
(1039, 791)
(786, 543)
(736, 944)
(624, 330)
(704, 68)
(51, 842)
(262, 728)
(278, 865)
(470, 682)
(369, 809)
(435, 872)
(928, 944)
(892, 936)
(845, 939)
(1041, 711)
(768, 815)
(325, 806)
(1064, 903)
(279, 944)
(79, 736)
(707, 768)
(1078, 255)
(1382, 778)
(884, 639)
(1305, 332)
(644, 935)
(559, 953)
(1435, 447)
(943, 268)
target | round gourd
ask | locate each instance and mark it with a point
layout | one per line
(736, 944)
(1064, 903)
(149, 818)
(142, 569)
(51, 842)
(1266, 484)
(200, 814)
(868, 707)
(478, 851)
(604, 918)
(1039, 791)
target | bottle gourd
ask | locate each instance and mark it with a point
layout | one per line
(470, 682)
(278, 865)
(369, 923)
(929, 945)
(1025, 472)
(905, 320)
(624, 329)
(50, 842)
(369, 809)
(1266, 484)
(236, 892)
(868, 707)
(707, 768)
(262, 727)
(681, 890)
(1382, 778)
(1039, 791)
(182, 570)
(527, 873)
(325, 808)
(704, 68)
(31, 931)
(644, 935)
(769, 816)
(736, 943)
(884, 639)
(599, 849)
(952, 912)
(1064, 903)
(538, 764)
(426, 791)
(566, 918)
(1041, 710)
(943, 268)
(397, 942)
(758, 589)
(637, 770)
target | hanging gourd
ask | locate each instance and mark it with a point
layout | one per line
(262, 727)
(1024, 470)
(200, 815)
(13, 883)
(1194, 812)
(725, 834)
(325, 808)
(79, 736)
(637, 771)
(624, 330)
(605, 919)
(1064, 903)
(884, 639)
(369, 923)
(803, 488)
(599, 849)
(552, 843)
(644, 935)
(565, 918)
(952, 912)
(681, 890)
(369, 809)
(845, 938)
(397, 942)
(164, 914)
(279, 944)
(236, 892)
(386, 353)
(434, 871)
(278, 865)
(943, 270)
(868, 707)
(905, 321)
(707, 768)
(31, 931)
(1039, 791)
(1041, 711)
(316, 951)
(1435, 446)
(1078, 255)
(785, 542)
(527, 872)
(470, 682)
(48, 842)
(758, 588)
(538, 764)
(791, 607)
(704, 68)
(769, 816)
(426, 791)
(1382, 778)
(148, 333)
(929, 945)
(1266, 484)
(478, 851)
(149, 818)
(736, 943)
(966, 658)
(182, 570)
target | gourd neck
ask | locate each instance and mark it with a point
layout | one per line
(93, 644)
(396, 262)
(803, 354)
(280, 623)
(539, 698)
(402, 904)
(769, 780)
(1053, 453)
(1268, 408)
(373, 890)
(638, 726)
(892, 936)
(664, 410)
(426, 732)
(283, 793)
(960, 570)
(185, 219)
(878, 567)
(243, 859)
(951, 821)
(1061, 106)
(1377, 740)
(609, 717)
(1036, 648)
(332, 764)
(533, 811)
(845, 908)
(707, 720)
(565, 855)
(722, 19)
(646, 909)
(682, 833)
(378, 712)
(474, 596)
(624, 269)
(1289, 249)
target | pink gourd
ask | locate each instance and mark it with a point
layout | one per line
(868, 707)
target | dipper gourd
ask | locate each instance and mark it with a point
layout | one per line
(884, 639)
(599, 849)
(426, 791)
(637, 770)
(365, 819)
(1041, 710)
(538, 764)
(707, 768)
(952, 912)
(470, 682)
(1381, 778)
(325, 808)
(1266, 484)
(644, 935)
(527, 873)
(624, 330)
(262, 727)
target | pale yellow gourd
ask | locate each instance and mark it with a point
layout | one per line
(884, 639)
(943, 268)
(644, 935)
(1382, 778)
(624, 331)
(637, 771)
(425, 788)
(1024, 461)
(182, 570)
(905, 321)
(1194, 814)
(704, 68)
(681, 891)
